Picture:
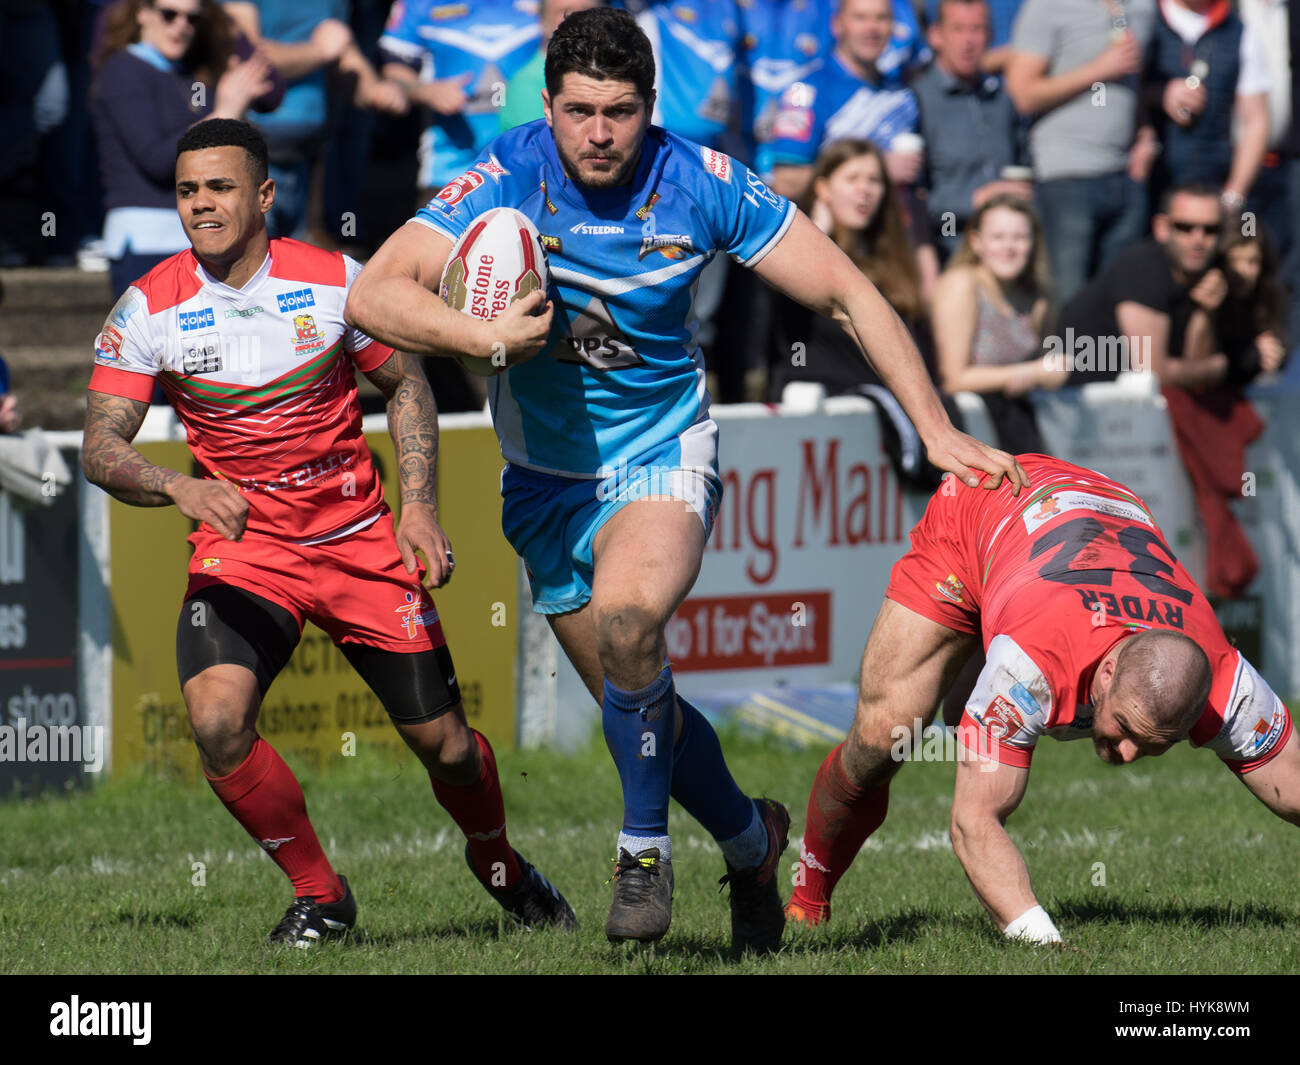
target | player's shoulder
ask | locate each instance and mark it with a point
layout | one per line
(293, 260)
(517, 152)
(688, 163)
(170, 283)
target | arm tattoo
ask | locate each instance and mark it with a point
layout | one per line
(413, 423)
(110, 461)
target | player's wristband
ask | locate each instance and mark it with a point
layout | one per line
(1033, 926)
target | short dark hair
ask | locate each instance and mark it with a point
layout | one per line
(1200, 189)
(601, 43)
(1169, 674)
(938, 15)
(228, 133)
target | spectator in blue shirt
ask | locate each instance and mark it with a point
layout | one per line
(847, 97)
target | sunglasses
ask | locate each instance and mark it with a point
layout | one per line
(1211, 230)
(170, 15)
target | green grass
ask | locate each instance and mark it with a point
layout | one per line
(1200, 878)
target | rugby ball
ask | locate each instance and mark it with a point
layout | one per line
(496, 261)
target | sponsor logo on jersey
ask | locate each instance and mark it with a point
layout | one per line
(243, 312)
(492, 168)
(1002, 719)
(951, 588)
(806, 43)
(444, 11)
(588, 229)
(549, 206)
(202, 354)
(1024, 699)
(669, 245)
(108, 347)
(305, 326)
(1058, 503)
(128, 303)
(191, 320)
(456, 190)
(793, 124)
(718, 163)
(551, 243)
(307, 338)
(758, 190)
(414, 616)
(1267, 732)
(296, 300)
(209, 565)
(685, 14)
(644, 210)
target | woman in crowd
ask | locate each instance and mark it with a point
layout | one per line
(161, 66)
(1251, 323)
(853, 200)
(989, 309)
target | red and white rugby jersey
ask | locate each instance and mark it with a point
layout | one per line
(1100, 570)
(262, 379)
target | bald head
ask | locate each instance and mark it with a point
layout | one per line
(1167, 676)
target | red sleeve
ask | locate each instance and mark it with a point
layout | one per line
(372, 356)
(129, 384)
(978, 740)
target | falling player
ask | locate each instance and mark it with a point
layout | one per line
(1091, 628)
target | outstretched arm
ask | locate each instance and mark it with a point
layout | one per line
(838, 289)
(987, 793)
(110, 461)
(413, 423)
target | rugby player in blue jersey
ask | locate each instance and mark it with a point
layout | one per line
(607, 431)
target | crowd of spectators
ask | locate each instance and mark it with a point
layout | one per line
(1004, 170)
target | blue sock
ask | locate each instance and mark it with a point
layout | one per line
(702, 783)
(639, 733)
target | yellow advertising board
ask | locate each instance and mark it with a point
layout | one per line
(318, 710)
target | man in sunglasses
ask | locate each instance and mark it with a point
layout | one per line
(1152, 308)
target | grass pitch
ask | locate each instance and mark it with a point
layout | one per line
(1168, 866)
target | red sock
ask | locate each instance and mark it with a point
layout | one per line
(840, 818)
(265, 797)
(480, 812)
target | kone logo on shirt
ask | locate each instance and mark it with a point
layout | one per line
(196, 319)
(295, 301)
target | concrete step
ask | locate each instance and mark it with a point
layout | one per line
(50, 383)
(52, 307)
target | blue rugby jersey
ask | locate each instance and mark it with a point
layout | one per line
(697, 49)
(487, 39)
(786, 40)
(833, 103)
(624, 375)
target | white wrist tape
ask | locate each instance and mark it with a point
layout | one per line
(1033, 926)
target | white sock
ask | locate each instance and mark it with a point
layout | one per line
(634, 845)
(750, 847)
